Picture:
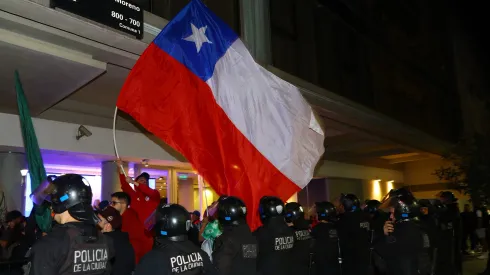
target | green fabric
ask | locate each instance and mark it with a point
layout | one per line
(33, 153)
(212, 230)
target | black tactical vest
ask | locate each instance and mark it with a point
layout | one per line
(183, 258)
(88, 255)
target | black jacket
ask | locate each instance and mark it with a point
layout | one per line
(326, 248)
(302, 247)
(449, 259)
(235, 251)
(276, 242)
(68, 249)
(179, 257)
(124, 260)
(405, 250)
(353, 231)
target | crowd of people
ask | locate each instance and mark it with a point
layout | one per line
(135, 232)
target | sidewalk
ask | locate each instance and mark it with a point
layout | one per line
(473, 266)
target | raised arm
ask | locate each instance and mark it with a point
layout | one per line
(124, 180)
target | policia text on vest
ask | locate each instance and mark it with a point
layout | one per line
(90, 260)
(284, 243)
(183, 263)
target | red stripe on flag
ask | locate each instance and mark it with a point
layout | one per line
(178, 107)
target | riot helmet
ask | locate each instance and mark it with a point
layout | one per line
(231, 211)
(447, 197)
(404, 204)
(403, 193)
(71, 193)
(372, 206)
(439, 207)
(172, 221)
(326, 211)
(270, 207)
(405, 209)
(294, 211)
(350, 202)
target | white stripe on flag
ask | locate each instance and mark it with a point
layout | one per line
(270, 112)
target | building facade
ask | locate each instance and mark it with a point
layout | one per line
(382, 76)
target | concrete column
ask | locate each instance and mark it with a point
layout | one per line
(256, 30)
(11, 183)
(172, 186)
(110, 179)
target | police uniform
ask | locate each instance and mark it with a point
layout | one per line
(275, 239)
(353, 231)
(406, 249)
(406, 254)
(235, 250)
(326, 246)
(173, 253)
(75, 247)
(302, 250)
(429, 223)
(376, 219)
(449, 252)
(170, 257)
(69, 249)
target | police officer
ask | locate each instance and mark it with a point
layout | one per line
(235, 250)
(376, 219)
(405, 246)
(275, 239)
(353, 231)
(429, 222)
(172, 251)
(74, 245)
(295, 218)
(371, 209)
(449, 252)
(326, 246)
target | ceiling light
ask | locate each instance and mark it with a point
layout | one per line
(24, 172)
(145, 162)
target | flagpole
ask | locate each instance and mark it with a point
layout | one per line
(114, 139)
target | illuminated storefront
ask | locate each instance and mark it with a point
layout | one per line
(188, 188)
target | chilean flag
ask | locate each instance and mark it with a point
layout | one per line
(246, 131)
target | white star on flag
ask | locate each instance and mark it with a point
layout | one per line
(198, 36)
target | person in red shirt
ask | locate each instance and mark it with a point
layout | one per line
(141, 242)
(144, 200)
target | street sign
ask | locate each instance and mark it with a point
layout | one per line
(118, 14)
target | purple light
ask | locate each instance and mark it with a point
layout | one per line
(94, 181)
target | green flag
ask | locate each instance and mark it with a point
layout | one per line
(33, 153)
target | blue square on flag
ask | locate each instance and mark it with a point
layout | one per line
(197, 38)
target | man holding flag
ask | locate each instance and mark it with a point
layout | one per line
(246, 131)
